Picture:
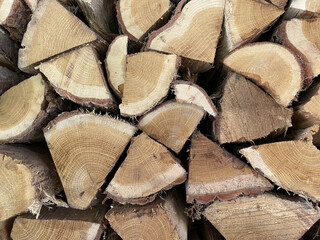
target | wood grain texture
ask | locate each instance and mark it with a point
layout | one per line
(148, 168)
(243, 118)
(215, 173)
(188, 92)
(66, 32)
(271, 66)
(83, 165)
(266, 216)
(147, 81)
(193, 32)
(161, 220)
(292, 165)
(172, 123)
(79, 77)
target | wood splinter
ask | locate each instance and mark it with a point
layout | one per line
(148, 168)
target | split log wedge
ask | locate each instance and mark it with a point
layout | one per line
(9, 79)
(292, 165)
(25, 109)
(266, 216)
(148, 168)
(303, 9)
(27, 182)
(271, 66)
(116, 63)
(303, 38)
(188, 92)
(66, 32)
(14, 16)
(8, 51)
(147, 81)
(60, 223)
(245, 21)
(139, 17)
(215, 173)
(100, 15)
(193, 32)
(242, 118)
(78, 76)
(172, 123)
(162, 219)
(83, 165)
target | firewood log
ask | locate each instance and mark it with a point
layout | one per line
(266, 216)
(172, 123)
(148, 168)
(215, 173)
(303, 9)
(78, 76)
(60, 223)
(84, 164)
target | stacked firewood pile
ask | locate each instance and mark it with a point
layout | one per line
(159, 119)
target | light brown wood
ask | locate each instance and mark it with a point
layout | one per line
(162, 219)
(172, 123)
(245, 21)
(5, 229)
(303, 38)
(100, 15)
(139, 17)
(279, 3)
(193, 32)
(14, 16)
(116, 63)
(292, 165)
(188, 92)
(60, 223)
(25, 109)
(303, 9)
(85, 147)
(66, 32)
(215, 173)
(9, 79)
(307, 113)
(78, 76)
(147, 81)
(27, 182)
(8, 51)
(148, 169)
(248, 113)
(266, 216)
(271, 66)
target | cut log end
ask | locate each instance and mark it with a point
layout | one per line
(148, 168)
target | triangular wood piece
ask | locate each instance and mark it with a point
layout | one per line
(215, 173)
(147, 81)
(148, 168)
(51, 31)
(137, 18)
(162, 219)
(61, 223)
(257, 60)
(292, 165)
(245, 20)
(25, 111)
(303, 9)
(172, 123)
(83, 165)
(78, 76)
(27, 181)
(303, 38)
(191, 93)
(243, 118)
(266, 216)
(116, 63)
(193, 32)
